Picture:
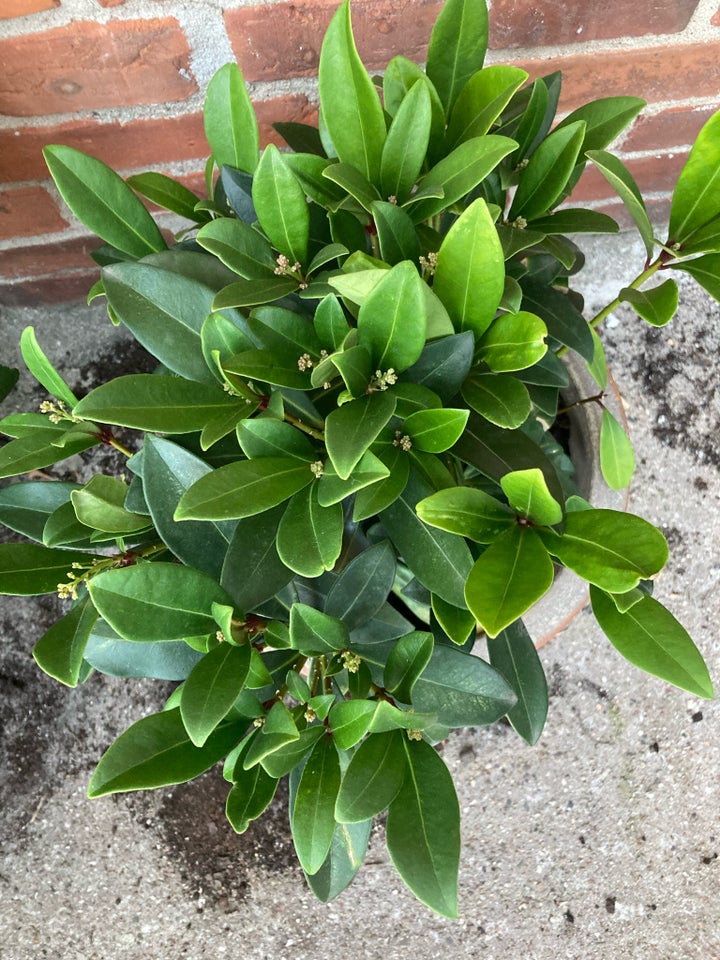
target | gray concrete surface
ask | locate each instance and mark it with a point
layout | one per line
(600, 843)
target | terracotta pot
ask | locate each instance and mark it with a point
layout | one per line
(569, 594)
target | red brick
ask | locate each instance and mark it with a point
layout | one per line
(284, 39)
(21, 8)
(641, 73)
(28, 211)
(59, 288)
(676, 127)
(139, 143)
(110, 3)
(47, 258)
(87, 65)
(527, 23)
(715, 21)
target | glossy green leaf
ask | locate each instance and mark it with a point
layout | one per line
(375, 498)
(313, 632)
(239, 247)
(435, 431)
(705, 239)
(354, 366)
(543, 180)
(28, 569)
(468, 512)
(63, 529)
(351, 109)
(157, 752)
(313, 821)
(243, 489)
(396, 233)
(444, 364)
(457, 624)
(363, 586)
(332, 489)
(250, 293)
(611, 549)
(352, 182)
(513, 653)
(41, 449)
(499, 397)
(161, 660)
(373, 778)
(482, 100)
(154, 402)
(605, 119)
(59, 652)
(406, 662)
(281, 761)
(309, 538)
(406, 145)
(230, 125)
(400, 76)
(252, 571)
(457, 48)
(350, 721)
(617, 460)
(658, 305)
(514, 341)
(622, 181)
(351, 429)
(167, 193)
(100, 505)
(347, 852)
(212, 688)
(528, 495)
(25, 507)
(251, 794)
(423, 829)
(441, 561)
(571, 220)
(102, 201)
(508, 578)
(470, 273)
(281, 206)
(157, 601)
(43, 371)
(649, 636)
(597, 367)
(562, 318)
(278, 730)
(696, 199)
(706, 270)
(392, 320)
(262, 437)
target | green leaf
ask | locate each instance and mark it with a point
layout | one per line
(261, 437)
(705, 240)
(649, 636)
(543, 180)
(347, 852)
(605, 119)
(375, 498)
(597, 367)
(59, 652)
(457, 48)
(253, 572)
(468, 512)
(350, 721)
(313, 821)
(622, 181)
(423, 829)
(281, 761)
(278, 730)
(167, 193)
(482, 100)
(363, 586)
(100, 505)
(28, 569)
(281, 206)
(160, 660)
(157, 601)
(696, 199)
(230, 124)
(617, 460)
(457, 624)
(406, 662)
(441, 561)
(528, 495)
(25, 507)
(250, 293)
(251, 794)
(103, 202)
(8, 379)
(435, 431)
(373, 778)
(332, 489)
(349, 178)
(658, 305)
(499, 397)
(706, 270)
(470, 273)
(154, 402)
(406, 145)
(396, 233)
(508, 578)
(443, 365)
(309, 538)
(513, 653)
(611, 549)
(514, 341)
(43, 371)
(239, 247)
(168, 471)
(157, 752)
(351, 429)
(571, 220)
(351, 109)
(212, 688)
(392, 320)
(400, 76)
(243, 489)
(562, 318)
(313, 632)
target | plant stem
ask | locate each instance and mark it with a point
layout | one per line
(635, 285)
(311, 431)
(112, 441)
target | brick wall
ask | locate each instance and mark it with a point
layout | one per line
(125, 80)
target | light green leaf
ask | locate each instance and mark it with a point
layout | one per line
(513, 341)
(658, 305)
(100, 505)
(230, 124)
(622, 181)
(43, 371)
(597, 367)
(706, 270)
(482, 100)
(528, 495)
(696, 199)
(281, 206)
(406, 145)
(350, 721)
(513, 653)
(251, 293)
(605, 119)
(309, 538)
(168, 194)
(457, 624)
(332, 489)
(617, 460)
(373, 778)
(468, 512)
(392, 320)
(239, 247)
(423, 829)
(212, 688)
(351, 429)
(435, 431)
(649, 636)
(396, 233)
(499, 397)
(313, 821)
(508, 578)
(457, 48)
(543, 180)
(102, 201)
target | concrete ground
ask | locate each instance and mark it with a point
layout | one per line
(600, 842)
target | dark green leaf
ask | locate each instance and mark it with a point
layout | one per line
(28, 569)
(351, 429)
(25, 507)
(406, 662)
(563, 320)
(251, 794)
(8, 379)
(167, 193)
(373, 778)
(362, 588)
(513, 653)
(313, 821)
(59, 652)
(212, 688)
(571, 220)
(42, 448)
(706, 270)
(543, 180)
(313, 632)
(239, 247)
(281, 761)
(160, 660)
(250, 293)
(396, 233)
(605, 119)
(347, 852)
(444, 364)
(309, 538)
(332, 489)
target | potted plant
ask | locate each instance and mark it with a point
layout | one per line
(347, 459)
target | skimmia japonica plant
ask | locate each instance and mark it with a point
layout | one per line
(343, 463)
